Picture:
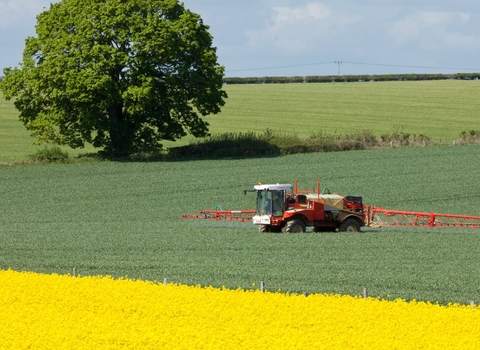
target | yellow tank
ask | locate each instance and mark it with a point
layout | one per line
(331, 200)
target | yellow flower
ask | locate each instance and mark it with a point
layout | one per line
(65, 312)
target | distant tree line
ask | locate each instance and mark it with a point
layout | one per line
(349, 78)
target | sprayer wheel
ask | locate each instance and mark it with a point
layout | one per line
(349, 225)
(295, 226)
(264, 228)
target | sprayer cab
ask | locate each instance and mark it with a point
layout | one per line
(271, 201)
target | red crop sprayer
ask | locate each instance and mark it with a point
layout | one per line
(285, 208)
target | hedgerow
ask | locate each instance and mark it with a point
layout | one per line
(277, 143)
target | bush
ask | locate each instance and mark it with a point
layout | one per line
(225, 145)
(52, 154)
(472, 136)
(399, 138)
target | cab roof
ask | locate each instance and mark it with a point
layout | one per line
(272, 187)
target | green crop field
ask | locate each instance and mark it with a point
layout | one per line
(438, 109)
(123, 219)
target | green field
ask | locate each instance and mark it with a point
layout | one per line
(438, 109)
(122, 218)
(15, 141)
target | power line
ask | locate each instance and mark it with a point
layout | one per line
(405, 66)
(357, 63)
(338, 63)
(280, 67)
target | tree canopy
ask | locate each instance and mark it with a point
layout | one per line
(122, 75)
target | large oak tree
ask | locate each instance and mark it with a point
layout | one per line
(119, 74)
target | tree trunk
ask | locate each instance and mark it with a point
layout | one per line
(121, 132)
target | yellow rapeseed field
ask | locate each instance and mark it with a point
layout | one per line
(40, 311)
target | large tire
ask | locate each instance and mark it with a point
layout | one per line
(264, 228)
(349, 225)
(295, 226)
(269, 228)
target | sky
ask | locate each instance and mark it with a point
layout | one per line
(256, 38)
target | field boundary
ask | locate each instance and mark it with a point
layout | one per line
(272, 143)
(262, 287)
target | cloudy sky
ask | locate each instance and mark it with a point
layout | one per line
(297, 37)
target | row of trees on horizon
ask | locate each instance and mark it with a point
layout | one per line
(348, 78)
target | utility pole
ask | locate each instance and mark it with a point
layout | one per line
(338, 63)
